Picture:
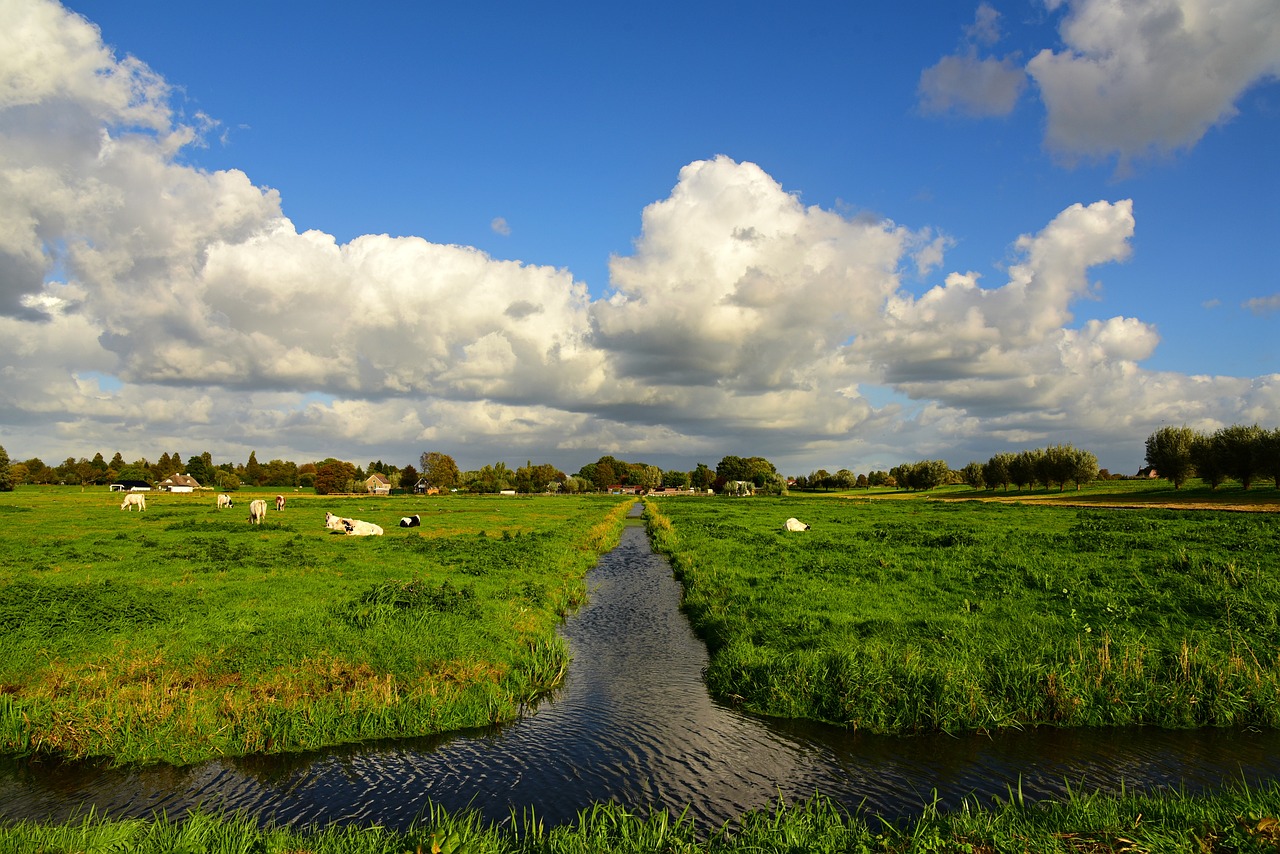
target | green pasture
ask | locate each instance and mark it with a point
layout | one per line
(184, 632)
(911, 614)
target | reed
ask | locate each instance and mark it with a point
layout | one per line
(915, 615)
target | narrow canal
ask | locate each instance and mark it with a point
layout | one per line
(634, 724)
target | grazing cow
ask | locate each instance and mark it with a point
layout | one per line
(794, 524)
(132, 500)
(410, 521)
(356, 528)
(257, 511)
(279, 503)
(224, 501)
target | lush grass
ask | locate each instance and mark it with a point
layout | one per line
(1236, 819)
(184, 632)
(916, 615)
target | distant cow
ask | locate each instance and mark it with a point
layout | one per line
(410, 521)
(279, 502)
(132, 500)
(224, 501)
(356, 528)
(794, 524)
(257, 511)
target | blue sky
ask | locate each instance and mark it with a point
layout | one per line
(544, 136)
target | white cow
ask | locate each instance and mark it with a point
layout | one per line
(132, 500)
(257, 511)
(356, 528)
(794, 524)
(279, 502)
(335, 523)
(224, 501)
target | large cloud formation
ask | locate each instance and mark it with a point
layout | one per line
(148, 305)
(1132, 79)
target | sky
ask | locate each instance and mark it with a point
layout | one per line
(834, 235)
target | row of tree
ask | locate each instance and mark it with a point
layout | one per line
(1242, 453)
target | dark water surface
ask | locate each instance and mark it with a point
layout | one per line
(634, 724)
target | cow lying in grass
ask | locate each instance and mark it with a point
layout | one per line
(354, 527)
(794, 524)
(410, 521)
(132, 500)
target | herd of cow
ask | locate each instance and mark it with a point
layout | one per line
(258, 512)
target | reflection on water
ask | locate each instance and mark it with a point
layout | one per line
(634, 724)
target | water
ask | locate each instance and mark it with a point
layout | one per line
(634, 724)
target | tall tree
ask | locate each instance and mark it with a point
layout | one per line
(1022, 469)
(408, 477)
(1083, 467)
(996, 471)
(1169, 453)
(440, 470)
(253, 471)
(334, 476)
(1207, 456)
(702, 477)
(1241, 449)
(6, 476)
(608, 471)
(200, 470)
(1270, 447)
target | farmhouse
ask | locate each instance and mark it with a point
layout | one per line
(130, 486)
(180, 483)
(377, 484)
(424, 487)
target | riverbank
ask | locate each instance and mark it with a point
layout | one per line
(1235, 819)
(183, 632)
(918, 614)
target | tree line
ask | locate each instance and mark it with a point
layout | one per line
(1242, 453)
(438, 470)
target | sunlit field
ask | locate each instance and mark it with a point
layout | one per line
(184, 632)
(916, 614)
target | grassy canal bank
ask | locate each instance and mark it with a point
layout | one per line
(184, 632)
(911, 615)
(1236, 819)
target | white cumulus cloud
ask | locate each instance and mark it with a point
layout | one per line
(148, 305)
(1149, 76)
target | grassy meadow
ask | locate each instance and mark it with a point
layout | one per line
(910, 615)
(183, 632)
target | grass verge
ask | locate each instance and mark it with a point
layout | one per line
(1236, 819)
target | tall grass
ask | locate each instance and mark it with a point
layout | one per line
(184, 632)
(1235, 819)
(913, 615)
